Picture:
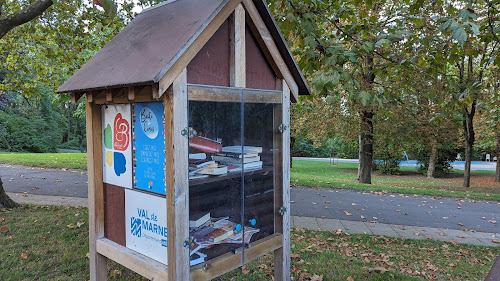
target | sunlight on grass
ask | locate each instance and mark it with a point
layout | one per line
(46, 160)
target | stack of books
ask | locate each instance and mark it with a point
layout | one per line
(237, 158)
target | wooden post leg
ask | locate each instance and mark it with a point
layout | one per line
(177, 179)
(282, 255)
(98, 263)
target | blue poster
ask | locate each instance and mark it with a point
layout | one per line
(149, 147)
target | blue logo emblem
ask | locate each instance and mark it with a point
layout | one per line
(135, 226)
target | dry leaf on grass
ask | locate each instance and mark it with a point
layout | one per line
(25, 255)
(350, 278)
(294, 256)
(244, 270)
(2, 219)
(317, 278)
(4, 229)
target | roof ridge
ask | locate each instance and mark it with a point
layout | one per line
(157, 6)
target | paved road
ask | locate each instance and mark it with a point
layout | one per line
(426, 211)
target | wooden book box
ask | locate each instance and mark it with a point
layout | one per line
(188, 115)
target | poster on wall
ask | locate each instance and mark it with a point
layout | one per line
(146, 224)
(117, 145)
(149, 147)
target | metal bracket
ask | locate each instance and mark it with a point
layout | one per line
(282, 210)
(282, 128)
(188, 132)
(189, 241)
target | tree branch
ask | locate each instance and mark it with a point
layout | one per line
(25, 15)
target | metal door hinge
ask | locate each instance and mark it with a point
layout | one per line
(188, 132)
(282, 128)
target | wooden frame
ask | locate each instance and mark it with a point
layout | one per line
(174, 92)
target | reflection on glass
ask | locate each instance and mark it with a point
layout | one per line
(233, 147)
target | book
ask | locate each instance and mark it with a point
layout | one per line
(219, 234)
(237, 154)
(215, 171)
(205, 144)
(249, 166)
(196, 219)
(196, 163)
(211, 235)
(237, 149)
(198, 156)
(197, 258)
(197, 176)
(194, 248)
(231, 160)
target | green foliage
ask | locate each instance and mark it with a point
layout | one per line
(446, 154)
(304, 147)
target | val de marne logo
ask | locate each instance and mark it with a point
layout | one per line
(135, 228)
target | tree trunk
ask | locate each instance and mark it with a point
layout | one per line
(5, 201)
(469, 137)
(497, 174)
(28, 13)
(432, 161)
(365, 147)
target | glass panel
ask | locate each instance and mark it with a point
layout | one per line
(215, 186)
(262, 117)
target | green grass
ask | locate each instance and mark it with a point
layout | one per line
(322, 174)
(46, 160)
(51, 243)
(343, 175)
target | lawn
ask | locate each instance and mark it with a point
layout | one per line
(51, 243)
(47, 160)
(314, 173)
(343, 175)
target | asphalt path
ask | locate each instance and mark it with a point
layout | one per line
(375, 207)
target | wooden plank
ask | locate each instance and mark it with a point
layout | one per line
(177, 179)
(98, 263)
(237, 58)
(271, 51)
(141, 94)
(282, 255)
(109, 96)
(156, 95)
(190, 51)
(75, 97)
(224, 94)
(143, 265)
(131, 93)
(229, 261)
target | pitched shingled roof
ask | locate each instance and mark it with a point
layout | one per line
(151, 43)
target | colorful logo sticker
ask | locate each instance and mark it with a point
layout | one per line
(149, 123)
(122, 132)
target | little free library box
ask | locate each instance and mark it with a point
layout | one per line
(188, 141)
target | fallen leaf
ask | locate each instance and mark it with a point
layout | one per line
(294, 256)
(416, 234)
(43, 238)
(244, 269)
(326, 207)
(79, 224)
(2, 219)
(362, 217)
(461, 224)
(43, 178)
(317, 278)
(34, 188)
(25, 255)
(495, 241)
(314, 203)
(4, 229)
(483, 218)
(350, 278)
(405, 214)
(347, 213)
(58, 180)
(59, 216)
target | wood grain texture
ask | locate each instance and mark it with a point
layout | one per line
(224, 94)
(269, 47)
(177, 179)
(140, 94)
(259, 72)
(211, 65)
(192, 50)
(282, 256)
(98, 263)
(230, 261)
(237, 61)
(139, 263)
(114, 213)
